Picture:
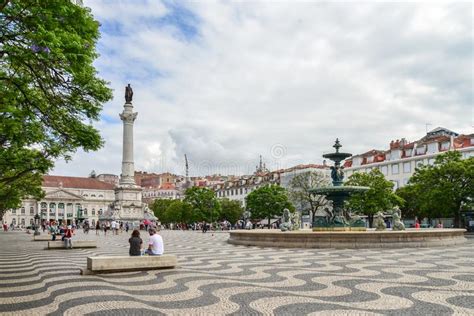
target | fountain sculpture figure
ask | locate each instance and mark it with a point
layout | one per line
(338, 194)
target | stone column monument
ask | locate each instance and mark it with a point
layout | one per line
(128, 196)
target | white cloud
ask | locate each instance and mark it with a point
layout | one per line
(245, 77)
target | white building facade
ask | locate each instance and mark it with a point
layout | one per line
(66, 200)
(398, 163)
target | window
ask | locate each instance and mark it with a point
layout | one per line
(92, 195)
(93, 212)
(405, 181)
(14, 221)
(32, 210)
(395, 154)
(384, 170)
(23, 222)
(101, 195)
(419, 164)
(432, 148)
(421, 150)
(85, 194)
(395, 169)
(406, 167)
(22, 210)
(241, 191)
(85, 212)
(13, 211)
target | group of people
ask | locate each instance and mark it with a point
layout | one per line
(155, 244)
(114, 226)
(65, 231)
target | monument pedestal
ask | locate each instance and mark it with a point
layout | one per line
(128, 203)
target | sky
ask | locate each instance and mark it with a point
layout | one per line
(225, 81)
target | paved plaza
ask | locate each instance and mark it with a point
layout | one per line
(214, 277)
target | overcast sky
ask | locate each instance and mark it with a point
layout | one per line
(227, 81)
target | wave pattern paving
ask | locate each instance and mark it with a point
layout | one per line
(215, 278)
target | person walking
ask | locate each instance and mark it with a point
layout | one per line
(136, 244)
(97, 228)
(126, 227)
(114, 227)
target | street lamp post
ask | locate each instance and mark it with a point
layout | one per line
(37, 223)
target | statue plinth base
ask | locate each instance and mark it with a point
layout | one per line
(128, 202)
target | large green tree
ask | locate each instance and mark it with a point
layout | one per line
(442, 189)
(159, 207)
(204, 204)
(268, 202)
(299, 191)
(231, 210)
(411, 208)
(178, 212)
(379, 198)
(49, 91)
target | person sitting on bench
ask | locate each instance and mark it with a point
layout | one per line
(155, 245)
(136, 244)
(67, 237)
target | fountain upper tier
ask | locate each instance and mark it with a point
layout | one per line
(337, 156)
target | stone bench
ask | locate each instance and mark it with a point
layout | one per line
(128, 263)
(45, 237)
(75, 244)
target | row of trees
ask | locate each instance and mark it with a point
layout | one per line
(443, 189)
(199, 204)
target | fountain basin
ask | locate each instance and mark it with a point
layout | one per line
(410, 238)
(343, 190)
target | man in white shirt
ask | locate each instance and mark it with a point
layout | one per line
(155, 245)
(113, 224)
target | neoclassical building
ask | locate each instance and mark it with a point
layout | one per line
(66, 199)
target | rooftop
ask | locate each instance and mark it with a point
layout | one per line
(76, 183)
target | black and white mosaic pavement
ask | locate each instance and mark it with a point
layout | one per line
(215, 278)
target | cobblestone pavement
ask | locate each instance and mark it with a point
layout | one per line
(214, 277)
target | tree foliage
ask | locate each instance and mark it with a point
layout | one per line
(299, 191)
(204, 204)
(268, 202)
(442, 189)
(159, 207)
(379, 198)
(231, 210)
(178, 212)
(49, 91)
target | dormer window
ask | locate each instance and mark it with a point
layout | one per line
(421, 150)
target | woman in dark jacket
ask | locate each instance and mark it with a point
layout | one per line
(136, 244)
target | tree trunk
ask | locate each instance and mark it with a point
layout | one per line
(269, 222)
(370, 217)
(457, 218)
